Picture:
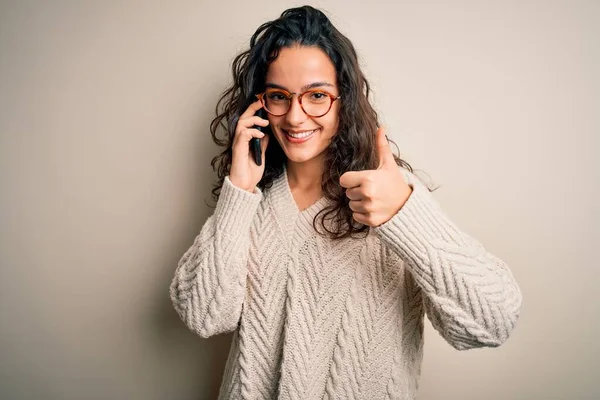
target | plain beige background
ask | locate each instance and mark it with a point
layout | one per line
(104, 160)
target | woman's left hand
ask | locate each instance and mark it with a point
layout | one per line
(377, 195)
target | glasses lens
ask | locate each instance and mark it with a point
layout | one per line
(276, 102)
(316, 103)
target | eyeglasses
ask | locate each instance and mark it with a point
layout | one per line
(314, 102)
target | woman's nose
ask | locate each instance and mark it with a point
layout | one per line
(295, 115)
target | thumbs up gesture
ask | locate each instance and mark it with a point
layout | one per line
(377, 195)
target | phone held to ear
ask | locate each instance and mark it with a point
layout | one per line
(255, 142)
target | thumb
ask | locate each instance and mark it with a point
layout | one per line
(386, 156)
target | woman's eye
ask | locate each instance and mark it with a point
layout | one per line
(277, 96)
(317, 95)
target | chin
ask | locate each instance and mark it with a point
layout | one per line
(299, 159)
(302, 156)
(299, 154)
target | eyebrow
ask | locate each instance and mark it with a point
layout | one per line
(304, 88)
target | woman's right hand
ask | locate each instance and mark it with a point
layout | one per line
(244, 172)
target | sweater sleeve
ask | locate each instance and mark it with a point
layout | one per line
(470, 295)
(209, 285)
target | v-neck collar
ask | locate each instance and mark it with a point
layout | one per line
(316, 205)
(297, 224)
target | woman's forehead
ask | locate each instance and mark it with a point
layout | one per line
(297, 67)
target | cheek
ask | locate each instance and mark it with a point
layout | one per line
(274, 122)
(332, 124)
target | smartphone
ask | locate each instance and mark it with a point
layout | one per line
(255, 142)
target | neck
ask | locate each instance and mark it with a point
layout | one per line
(305, 176)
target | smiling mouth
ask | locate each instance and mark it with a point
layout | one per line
(300, 135)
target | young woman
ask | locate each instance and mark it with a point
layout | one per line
(324, 259)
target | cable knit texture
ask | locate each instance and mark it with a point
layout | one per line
(320, 319)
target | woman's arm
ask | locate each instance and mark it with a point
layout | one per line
(210, 281)
(470, 295)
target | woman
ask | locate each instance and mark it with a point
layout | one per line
(324, 258)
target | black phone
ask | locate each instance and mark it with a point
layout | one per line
(255, 142)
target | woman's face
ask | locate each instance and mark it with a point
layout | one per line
(296, 69)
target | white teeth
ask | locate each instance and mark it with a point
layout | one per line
(301, 135)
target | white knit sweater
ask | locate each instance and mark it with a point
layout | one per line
(316, 318)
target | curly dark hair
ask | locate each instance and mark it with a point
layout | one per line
(353, 148)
